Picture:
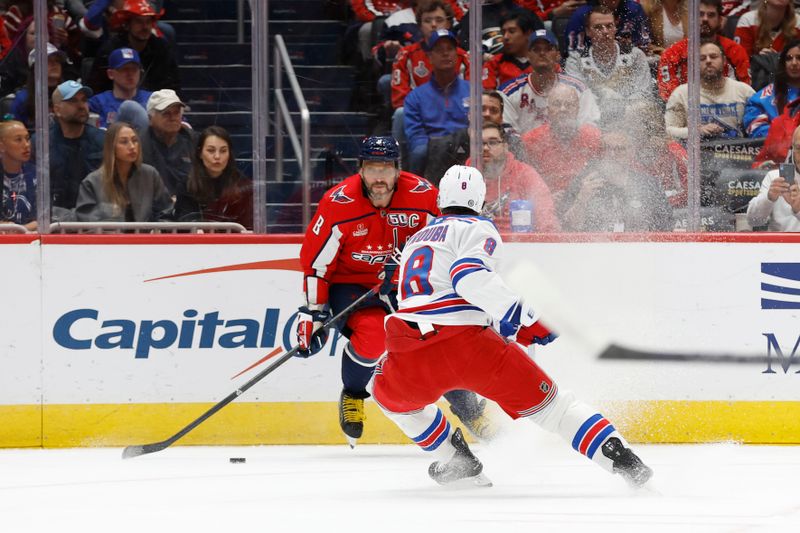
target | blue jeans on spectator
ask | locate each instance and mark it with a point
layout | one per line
(418, 157)
(385, 88)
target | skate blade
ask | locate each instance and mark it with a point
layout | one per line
(469, 482)
(351, 441)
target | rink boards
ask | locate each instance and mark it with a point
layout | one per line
(120, 340)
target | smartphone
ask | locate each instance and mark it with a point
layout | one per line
(787, 172)
(58, 21)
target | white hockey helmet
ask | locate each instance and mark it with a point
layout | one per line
(462, 187)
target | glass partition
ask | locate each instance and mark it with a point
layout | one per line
(595, 119)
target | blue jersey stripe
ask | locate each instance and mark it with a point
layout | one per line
(583, 429)
(427, 433)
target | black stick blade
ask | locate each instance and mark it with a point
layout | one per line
(622, 353)
(135, 451)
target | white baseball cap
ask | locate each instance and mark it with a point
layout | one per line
(160, 100)
(50, 51)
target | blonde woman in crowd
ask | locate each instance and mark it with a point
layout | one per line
(768, 28)
(123, 189)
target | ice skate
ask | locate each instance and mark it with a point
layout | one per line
(463, 465)
(477, 422)
(626, 463)
(351, 417)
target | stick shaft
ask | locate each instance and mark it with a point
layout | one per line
(135, 451)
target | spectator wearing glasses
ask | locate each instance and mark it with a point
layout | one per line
(123, 189)
(777, 204)
(19, 176)
(508, 180)
(612, 196)
(492, 111)
(617, 74)
(722, 100)
(125, 72)
(633, 26)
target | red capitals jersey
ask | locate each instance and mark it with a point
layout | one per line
(412, 68)
(503, 68)
(349, 239)
(673, 64)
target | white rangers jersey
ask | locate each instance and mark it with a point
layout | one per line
(447, 276)
(525, 108)
(629, 77)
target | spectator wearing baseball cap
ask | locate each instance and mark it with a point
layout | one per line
(134, 25)
(23, 108)
(76, 148)
(526, 98)
(439, 108)
(125, 72)
(168, 143)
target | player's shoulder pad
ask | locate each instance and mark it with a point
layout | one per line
(346, 192)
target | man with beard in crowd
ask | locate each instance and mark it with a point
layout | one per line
(672, 67)
(508, 180)
(722, 100)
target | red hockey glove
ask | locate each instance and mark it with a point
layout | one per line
(311, 337)
(536, 333)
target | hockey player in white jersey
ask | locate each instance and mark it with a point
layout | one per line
(457, 327)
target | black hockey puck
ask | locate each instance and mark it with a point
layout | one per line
(237, 459)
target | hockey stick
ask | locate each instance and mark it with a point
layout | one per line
(137, 450)
(528, 280)
(615, 352)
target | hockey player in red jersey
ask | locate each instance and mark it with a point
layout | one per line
(358, 225)
(455, 328)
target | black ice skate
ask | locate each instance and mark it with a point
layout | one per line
(626, 463)
(463, 465)
(351, 416)
(472, 414)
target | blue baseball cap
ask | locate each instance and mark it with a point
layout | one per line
(70, 88)
(543, 35)
(441, 33)
(122, 56)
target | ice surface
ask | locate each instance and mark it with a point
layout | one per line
(540, 485)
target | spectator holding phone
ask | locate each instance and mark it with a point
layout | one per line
(777, 204)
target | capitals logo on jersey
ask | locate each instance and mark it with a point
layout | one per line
(422, 186)
(340, 197)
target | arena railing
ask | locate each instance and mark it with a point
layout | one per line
(302, 147)
(146, 227)
(13, 228)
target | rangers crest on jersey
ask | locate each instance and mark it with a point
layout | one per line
(422, 186)
(340, 197)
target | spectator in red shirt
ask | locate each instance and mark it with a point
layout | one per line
(512, 62)
(672, 69)
(561, 148)
(508, 179)
(768, 28)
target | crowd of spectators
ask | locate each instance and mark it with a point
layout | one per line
(119, 147)
(588, 101)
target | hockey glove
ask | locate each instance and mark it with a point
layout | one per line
(388, 291)
(311, 337)
(536, 333)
